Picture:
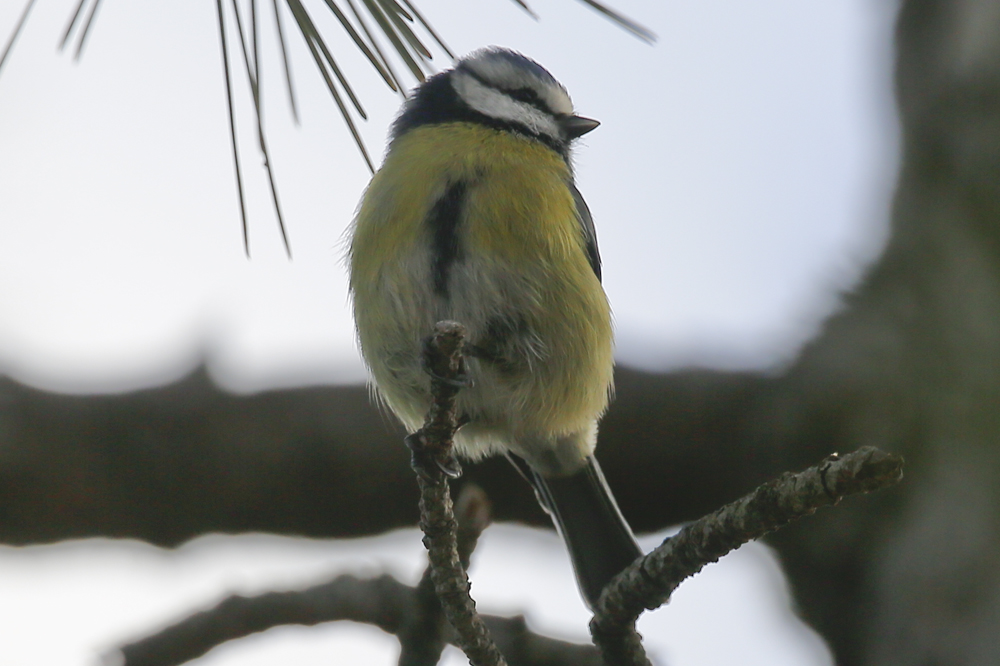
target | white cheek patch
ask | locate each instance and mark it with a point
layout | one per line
(493, 103)
(558, 100)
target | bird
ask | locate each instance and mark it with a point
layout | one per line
(474, 216)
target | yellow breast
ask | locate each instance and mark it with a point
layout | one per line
(520, 196)
(520, 219)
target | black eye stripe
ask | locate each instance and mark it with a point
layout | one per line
(527, 95)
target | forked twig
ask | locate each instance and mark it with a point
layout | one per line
(433, 461)
(649, 581)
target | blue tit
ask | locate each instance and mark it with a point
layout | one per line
(474, 217)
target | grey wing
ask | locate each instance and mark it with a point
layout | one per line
(587, 227)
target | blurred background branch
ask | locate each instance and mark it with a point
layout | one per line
(412, 614)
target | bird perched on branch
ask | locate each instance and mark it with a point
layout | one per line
(474, 217)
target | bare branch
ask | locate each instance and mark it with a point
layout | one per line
(650, 580)
(425, 632)
(381, 601)
(422, 634)
(434, 462)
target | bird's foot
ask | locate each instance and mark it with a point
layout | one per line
(427, 462)
(459, 379)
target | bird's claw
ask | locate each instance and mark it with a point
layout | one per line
(424, 459)
(449, 466)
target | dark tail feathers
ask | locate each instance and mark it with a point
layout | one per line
(584, 511)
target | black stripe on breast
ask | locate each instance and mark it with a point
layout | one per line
(443, 222)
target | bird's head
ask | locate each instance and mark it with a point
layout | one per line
(500, 88)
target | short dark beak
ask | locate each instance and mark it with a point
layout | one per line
(576, 126)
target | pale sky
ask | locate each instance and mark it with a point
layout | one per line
(740, 176)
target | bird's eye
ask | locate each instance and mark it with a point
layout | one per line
(526, 95)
